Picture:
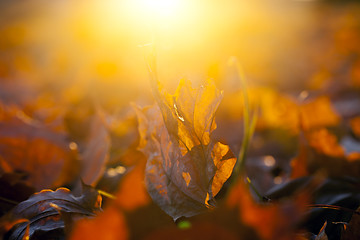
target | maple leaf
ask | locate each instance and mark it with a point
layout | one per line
(49, 211)
(185, 169)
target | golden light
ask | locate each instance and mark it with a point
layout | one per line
(162, 8)
(155, 10)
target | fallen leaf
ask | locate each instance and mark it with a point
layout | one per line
(185, 169)
(325, 143)
(319, 150)
(271, 221)
(30, 147)
(318, 112)
(44, 211)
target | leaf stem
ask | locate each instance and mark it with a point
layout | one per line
(9, 201)
(106, 194)
(249, 123)
(254, 189)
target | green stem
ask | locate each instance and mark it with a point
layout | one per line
(249, 123)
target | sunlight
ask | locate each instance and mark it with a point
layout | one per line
(160, 7)
(155, 9)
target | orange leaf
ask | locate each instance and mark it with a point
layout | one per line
(108, 225)
(272, 220)
(318, 113)
(132, 193)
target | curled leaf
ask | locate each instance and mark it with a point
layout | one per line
(45, 211)
(185, 169)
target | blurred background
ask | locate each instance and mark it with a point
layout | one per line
(59, 58)
(74, 48)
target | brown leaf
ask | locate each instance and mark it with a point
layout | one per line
(185, 168)
(44, 210)
(30, 147)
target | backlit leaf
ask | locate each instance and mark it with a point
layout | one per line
(185, 168)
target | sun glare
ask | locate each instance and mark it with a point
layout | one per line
(160, 7)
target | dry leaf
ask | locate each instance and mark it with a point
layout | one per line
(44, 211)
(31, 147)
(185, 168)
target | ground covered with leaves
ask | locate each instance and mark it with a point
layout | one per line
(262, 146)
